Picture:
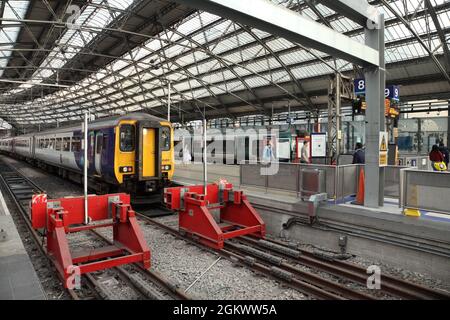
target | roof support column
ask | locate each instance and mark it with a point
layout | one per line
(375, 119)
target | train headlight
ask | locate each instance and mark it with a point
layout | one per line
(166, 168)
(126, 169)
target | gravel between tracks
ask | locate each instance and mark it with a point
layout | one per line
(183, 263)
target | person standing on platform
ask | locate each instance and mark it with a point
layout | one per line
(305, 153)
(444, 150)
(359, 157)
(268, 153)
(186, 156)
(437, 159)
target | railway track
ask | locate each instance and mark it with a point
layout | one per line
(270, 257)
(147, 284)
(281, 262)
(391, 285)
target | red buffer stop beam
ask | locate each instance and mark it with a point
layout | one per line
(66, 215)
(236, 215)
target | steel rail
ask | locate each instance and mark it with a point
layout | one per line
(90, 280)
(317, 288)
(24, 217)
(311, 278)
(153, 276)
(390, 284)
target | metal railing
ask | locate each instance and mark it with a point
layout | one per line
(340, 181)
(425, 190)
(392, 181)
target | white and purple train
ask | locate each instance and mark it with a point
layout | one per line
(131, 153)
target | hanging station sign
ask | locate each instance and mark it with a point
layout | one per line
(391, 92)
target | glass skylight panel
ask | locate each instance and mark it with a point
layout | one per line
(12, 10)
(222, 36)
(75, 40)
(444, 18)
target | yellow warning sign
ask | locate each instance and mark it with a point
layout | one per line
(383, 160)
(383, 144)
(384, 138)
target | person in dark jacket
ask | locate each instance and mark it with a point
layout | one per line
(444, 150)
(436, 157)
(359, 157)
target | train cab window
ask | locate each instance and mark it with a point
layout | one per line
(127, 138)
(165, 138)
(76, 144)
(66, 144)
(58, 144)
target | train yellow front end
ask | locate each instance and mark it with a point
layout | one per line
(144, 155)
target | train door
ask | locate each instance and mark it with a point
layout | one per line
(98, 152)
(148, 155)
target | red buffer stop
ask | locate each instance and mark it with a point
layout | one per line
(66, 215)
(236, 216)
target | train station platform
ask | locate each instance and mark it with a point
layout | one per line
(18, 279)
(384, 234)
(193, 174)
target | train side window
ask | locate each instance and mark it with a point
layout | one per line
(99, 144)
(165, 139)
(76, 144)
(58, 144)
(51, 144)
(127, 138)
(91, 144)
(105, 141)
(66, 144)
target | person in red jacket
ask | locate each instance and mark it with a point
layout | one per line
(436, 156)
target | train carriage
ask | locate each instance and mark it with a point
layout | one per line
(132, 153)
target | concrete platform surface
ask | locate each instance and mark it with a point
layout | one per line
(18, 279)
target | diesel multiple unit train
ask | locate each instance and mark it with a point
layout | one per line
(132, 153)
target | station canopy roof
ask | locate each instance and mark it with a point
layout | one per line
(60, 58)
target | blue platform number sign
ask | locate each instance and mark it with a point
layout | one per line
(391, 92)
(360, 86)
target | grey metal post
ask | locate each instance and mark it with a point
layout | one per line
(448, 125)
(169, 102)
(85, 165)
(375, 119)
(205, 160)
